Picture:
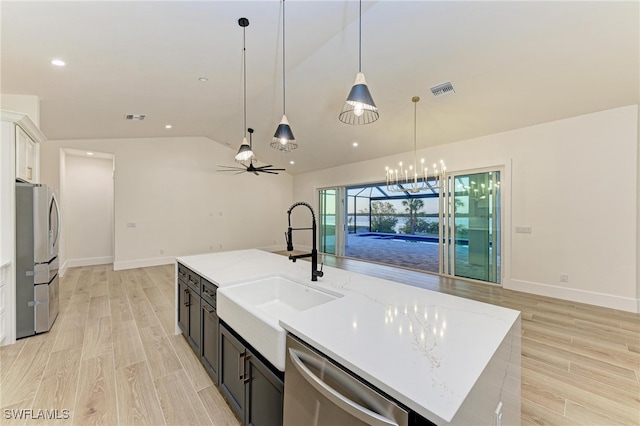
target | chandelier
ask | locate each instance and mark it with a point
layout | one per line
(416, 177)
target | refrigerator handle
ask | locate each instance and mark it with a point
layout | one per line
(54, 204)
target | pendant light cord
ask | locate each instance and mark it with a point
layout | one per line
(244, 79)
(415, 115)
(359, 38)
(284, 90)
(415, 101)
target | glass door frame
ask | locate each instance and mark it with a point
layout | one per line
(340, 209)
(448, 220)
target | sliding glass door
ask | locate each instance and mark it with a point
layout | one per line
(472, 223)
(452, 229)
(331, 219)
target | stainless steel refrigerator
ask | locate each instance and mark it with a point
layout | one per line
(37, 238)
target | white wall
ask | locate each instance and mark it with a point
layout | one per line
(180, 205)
(573, 181)
(638, 214)
(88, 193)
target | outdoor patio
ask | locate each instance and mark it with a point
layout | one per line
(418, 255)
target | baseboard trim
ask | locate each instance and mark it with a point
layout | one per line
(143, 263)
(89, 261)
(63, 269)
(604, 300)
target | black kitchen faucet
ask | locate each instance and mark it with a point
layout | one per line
(314, 251)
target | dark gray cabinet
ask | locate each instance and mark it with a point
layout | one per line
(253, 390)
(189, 306)
(210, 329)
(232, 365)
(264, 394)
(183, 308)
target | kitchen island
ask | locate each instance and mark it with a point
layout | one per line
(449, 359)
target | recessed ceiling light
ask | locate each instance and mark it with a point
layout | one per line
(89, 153)
(58, 62)
(292, 162)
(168, 126)
(355, 144)
(203, 79)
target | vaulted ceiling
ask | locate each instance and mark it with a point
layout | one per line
(513, 64)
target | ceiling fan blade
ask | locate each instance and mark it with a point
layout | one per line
(269, 167)
(269, 171)
(231, 168)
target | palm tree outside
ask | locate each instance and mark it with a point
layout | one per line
(412, 206)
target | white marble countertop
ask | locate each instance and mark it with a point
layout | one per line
(423, 348)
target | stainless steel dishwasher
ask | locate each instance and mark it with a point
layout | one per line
(317, 392)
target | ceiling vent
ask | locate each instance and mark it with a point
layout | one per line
(443, 89)
(137, 117)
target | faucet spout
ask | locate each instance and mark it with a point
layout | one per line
(315, 273)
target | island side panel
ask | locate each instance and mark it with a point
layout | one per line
(498, 383)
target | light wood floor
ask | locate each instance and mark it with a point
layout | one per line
(112, 358)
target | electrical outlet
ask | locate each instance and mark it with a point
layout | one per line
(210, 248)
(523, 230)
(161, 251)
(564, 278)
(131, 224)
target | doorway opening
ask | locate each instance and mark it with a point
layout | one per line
(87, 198)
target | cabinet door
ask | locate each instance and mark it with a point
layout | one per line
(210, 337)
(25, 156)
(264, 394)
(232, 367)
(194, 321)
(183, 308)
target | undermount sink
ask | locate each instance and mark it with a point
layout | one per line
(253, 309)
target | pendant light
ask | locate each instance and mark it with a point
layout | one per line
(245, 153)
(359, 108)
(283, 139)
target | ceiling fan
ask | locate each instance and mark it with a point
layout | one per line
(250, 168)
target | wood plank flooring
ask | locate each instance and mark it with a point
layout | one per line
(112, 357)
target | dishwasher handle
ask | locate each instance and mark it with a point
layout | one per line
(351, 407)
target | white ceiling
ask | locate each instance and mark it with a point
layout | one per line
(513, 64)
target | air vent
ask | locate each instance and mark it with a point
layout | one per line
(443, 89)
(138, 117)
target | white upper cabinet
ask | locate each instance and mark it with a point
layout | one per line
(25, 138)
(26, 157)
